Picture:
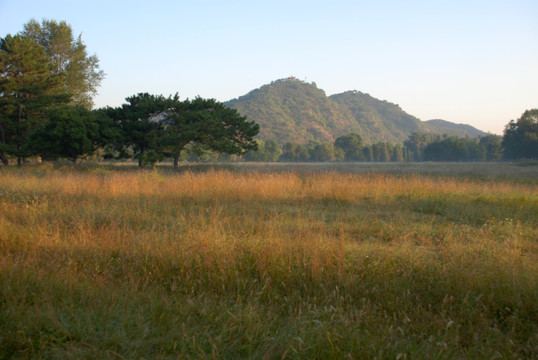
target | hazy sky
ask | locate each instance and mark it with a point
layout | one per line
(473, 62)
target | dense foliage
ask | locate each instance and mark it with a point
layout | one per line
(417, 147)
(140, 125)
(28, 87)
(155, 126)
(80, 72)
(521, 137)
(72, 132)
(41, 68)
(454, 149)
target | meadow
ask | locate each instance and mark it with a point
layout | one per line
(269, 262)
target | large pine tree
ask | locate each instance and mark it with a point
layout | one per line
(28, 86)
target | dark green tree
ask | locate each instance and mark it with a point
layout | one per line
(368, 153)
(381, 152)
(475, 152)
(520, 140)
(448, 149)
(269, 150)
(323, 152)
(28, 87)
(273, 150)
(352, 145)
(417, 142)
(142, 124)
(452, 148)
(492, 145)
(209, 124)
(154, 125)
(80, 72)
(72, 132)
(397, 154)
(295, 152)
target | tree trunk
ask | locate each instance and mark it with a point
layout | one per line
(3, 158)
(177, 152)
(19, 132)
(19, 157)
(141, 159)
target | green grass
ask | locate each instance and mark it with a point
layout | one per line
(252, 262)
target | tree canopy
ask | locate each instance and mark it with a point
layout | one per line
(520, 139)
(140, 123)
(156, 124)
(210, 124)
(295, 152)
(492, 145)
(352, 145)
(452, 148)
(72, 132)
(79, 71)
(28, 87)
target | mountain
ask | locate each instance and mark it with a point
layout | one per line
(379, 120)
(293, 110)
(446, 127)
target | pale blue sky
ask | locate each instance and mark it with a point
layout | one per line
(473, 62)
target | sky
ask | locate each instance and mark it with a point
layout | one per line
(472, 62)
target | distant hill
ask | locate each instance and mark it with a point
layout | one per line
(293, 110)
(379, 120)
(450, 128)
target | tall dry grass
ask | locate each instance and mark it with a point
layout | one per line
(253, 264)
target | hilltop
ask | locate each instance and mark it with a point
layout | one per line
(294, 110)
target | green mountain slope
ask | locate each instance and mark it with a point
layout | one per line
(380, 120)
(446, 127)
(293, 110)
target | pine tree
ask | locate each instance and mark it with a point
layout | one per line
(209, 124)
(27, 88)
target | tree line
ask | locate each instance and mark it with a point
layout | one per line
(520, 141)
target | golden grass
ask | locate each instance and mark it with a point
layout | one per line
(254, 264)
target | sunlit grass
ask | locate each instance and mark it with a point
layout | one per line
(97, 263)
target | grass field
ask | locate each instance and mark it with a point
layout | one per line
(278, 261)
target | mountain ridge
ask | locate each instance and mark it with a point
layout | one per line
(291, 110)
(444, 124)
